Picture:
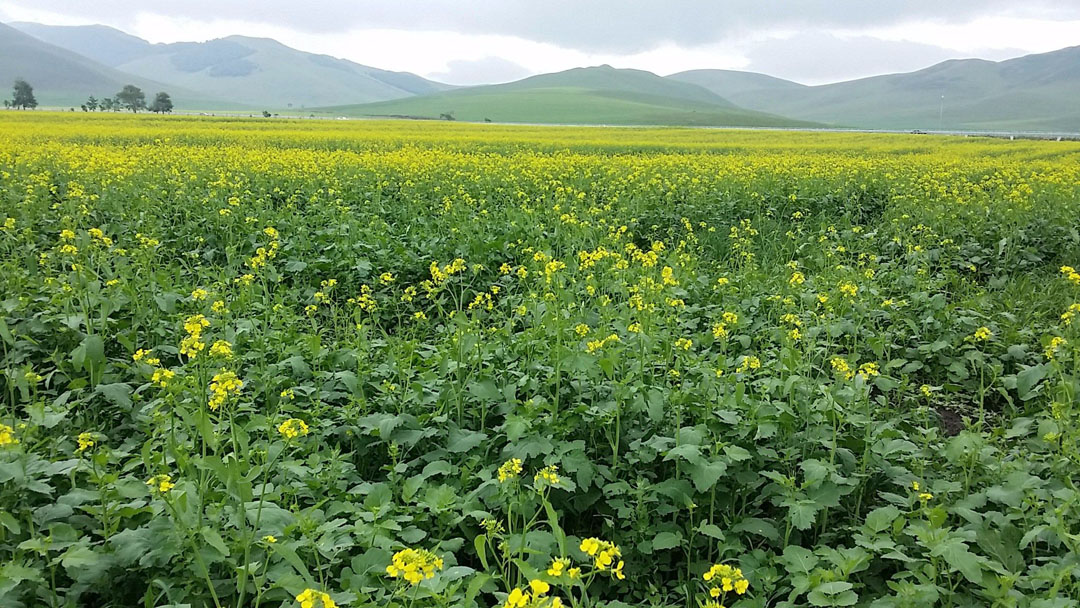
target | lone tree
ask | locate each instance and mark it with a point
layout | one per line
(162, 103)
(132, 98)
(23, 95)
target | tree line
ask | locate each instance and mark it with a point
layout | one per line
(130, 97)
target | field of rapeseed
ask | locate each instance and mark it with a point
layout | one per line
(271, 363)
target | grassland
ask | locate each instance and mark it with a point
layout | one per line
(583, 96)
(317, 364)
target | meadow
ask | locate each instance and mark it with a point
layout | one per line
(318, 363)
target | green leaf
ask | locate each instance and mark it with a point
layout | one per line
(486, 390)
(463, 441)
(881, 519)
(736, 453)
(667, 540)
(688, 452)
(757, 526)
(711, 530)
(955, 552)
(480, 544)
(835, 593)
(799, 559)
(117, 394)
(214, 540)
(5, 334)
(802, 513)
(1027, 379)
(289, 555)
(706, 473)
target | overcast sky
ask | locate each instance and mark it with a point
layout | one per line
(481, 41)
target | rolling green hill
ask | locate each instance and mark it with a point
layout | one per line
(598, 95)
(255, 71)
(1036, 92)
(63, 78)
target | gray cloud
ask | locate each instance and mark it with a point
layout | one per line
(619, 26)
(815, 57)
(486, 70)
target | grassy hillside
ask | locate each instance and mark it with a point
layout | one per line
(601, 95)
(735, 85)
(1036, 92)
(101, 43)
(63, 78)
(256, 71)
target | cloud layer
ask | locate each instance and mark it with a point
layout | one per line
(473, 41)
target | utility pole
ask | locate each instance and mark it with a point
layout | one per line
(941, 115)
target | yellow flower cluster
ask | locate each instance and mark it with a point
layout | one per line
(724, 578)
(414, 565)
(605, 556)
(868, 370)
(86, 441)
(1071, 274)
(849, 290)
(221, 349)
(560, 566)
(162, 376)
(509, 470)
(548, 475)
(482, 300)
(1054, 346)
(1070, 314)
(192, 343)
(224, 384)
(982, 334)
(263, 255)
(309, 597)
(748, 363)
(594, 345)
(293, 428)
(160, 483)
(534, 597)
(440, 275)
(7, 436)
(841, 367)
(719, 331)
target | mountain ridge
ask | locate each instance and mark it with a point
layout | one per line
(254, 71)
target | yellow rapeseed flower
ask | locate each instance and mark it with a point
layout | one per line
(309, 597)
(509, 470)
(293, 428)
(7, 436)
(160, 483)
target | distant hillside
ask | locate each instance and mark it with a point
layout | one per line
(1036, 92)
(256, 71)
(598, 95)
(739, 87)
(101, 43)
(63, 78)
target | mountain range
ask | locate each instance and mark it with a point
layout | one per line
(67, 63)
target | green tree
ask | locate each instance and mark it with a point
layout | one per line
(23, 95)
(132, 98)
(107, 104)
(162, 103)
(91, 103)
